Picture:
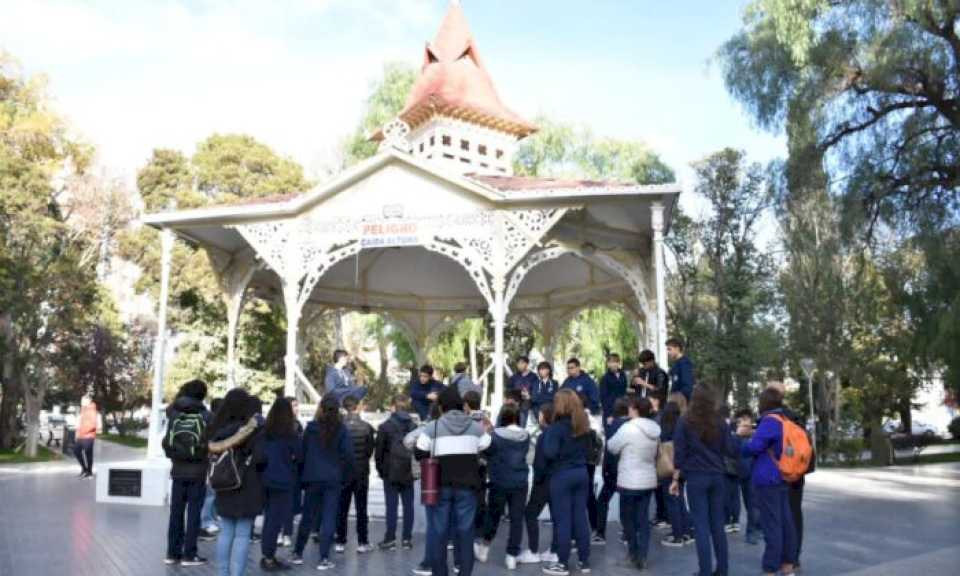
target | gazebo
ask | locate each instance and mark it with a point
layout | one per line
(435, 228)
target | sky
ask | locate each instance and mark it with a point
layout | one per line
(132, 76)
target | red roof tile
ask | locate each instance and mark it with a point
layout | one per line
(454, 81)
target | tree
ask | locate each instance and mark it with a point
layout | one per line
(387, 98)
(871, 89)
(724, 277)
(225, 168)
(46, 290)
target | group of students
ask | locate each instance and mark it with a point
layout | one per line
(541, 452)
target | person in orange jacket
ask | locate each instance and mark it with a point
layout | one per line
(86, 434)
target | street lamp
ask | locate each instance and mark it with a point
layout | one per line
(809, 367)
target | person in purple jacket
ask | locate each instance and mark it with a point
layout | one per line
(770, 491)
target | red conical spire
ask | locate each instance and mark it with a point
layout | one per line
(453, 81)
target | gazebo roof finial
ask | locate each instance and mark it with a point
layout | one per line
(453, 81)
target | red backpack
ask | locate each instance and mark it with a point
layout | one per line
(797, 452)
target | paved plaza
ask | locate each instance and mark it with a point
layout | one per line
(893, 521)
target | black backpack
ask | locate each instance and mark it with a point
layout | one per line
(185, 437)
(228, 469)
(400, 460)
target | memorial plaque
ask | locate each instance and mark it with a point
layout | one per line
(125, 483)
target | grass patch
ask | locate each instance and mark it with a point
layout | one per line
(129, 441)
(930, 459)
(43, 455)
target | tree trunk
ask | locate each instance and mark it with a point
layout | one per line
(9, 387)
(473, 355)
(33, 400)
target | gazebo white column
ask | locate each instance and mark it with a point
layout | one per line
(656, 214)
(291, 304)
(499, 313)
(154, 448)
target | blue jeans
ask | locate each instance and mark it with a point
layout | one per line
(186, 496)
(707, 494)
(320, 510)
(457, 506)
(677, 513)
(208, 514)
(276, 513)
(395, 494)
(635, 518)
(233, 542)
(516, 500)
(776, 519)
(568, 506)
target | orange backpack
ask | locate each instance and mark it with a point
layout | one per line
(797, 453)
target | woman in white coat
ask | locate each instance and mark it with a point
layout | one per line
(636, 444)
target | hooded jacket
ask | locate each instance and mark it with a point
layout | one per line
(542, 392)
(188, 469)
(456, 440)
(326, 465)
(396, 427)
(464, 384)
(636, 445)
(507, 457)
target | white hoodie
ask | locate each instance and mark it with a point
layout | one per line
(636, 443)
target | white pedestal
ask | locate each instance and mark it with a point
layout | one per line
(154, 482)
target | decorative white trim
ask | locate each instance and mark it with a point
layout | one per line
(395, 135)
(529, 263)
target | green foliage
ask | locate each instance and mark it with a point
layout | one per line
(387, 98)
(562, 150)
(868, 93)
(596, 332)
(47, 273)
(231, 167)
(954, 428)
(722, 292)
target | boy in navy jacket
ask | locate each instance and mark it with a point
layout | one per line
(682, 377)
(424, 391)
(613, 385)
(507, 458)
(581, 383)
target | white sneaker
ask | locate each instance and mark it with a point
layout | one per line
(364, 548)
(549, 557)
(340, 548)
(480, 551)
(529, 557)
(511, 562)
(285, 542)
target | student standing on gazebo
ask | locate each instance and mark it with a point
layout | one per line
(424, 391)
(338, 381)
(525, 380)
(613, 385)
(581, 383)
(682, 378)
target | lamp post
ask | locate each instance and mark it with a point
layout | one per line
(809, 367)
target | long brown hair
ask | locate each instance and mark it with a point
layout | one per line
(702, 416)
(567, 403)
